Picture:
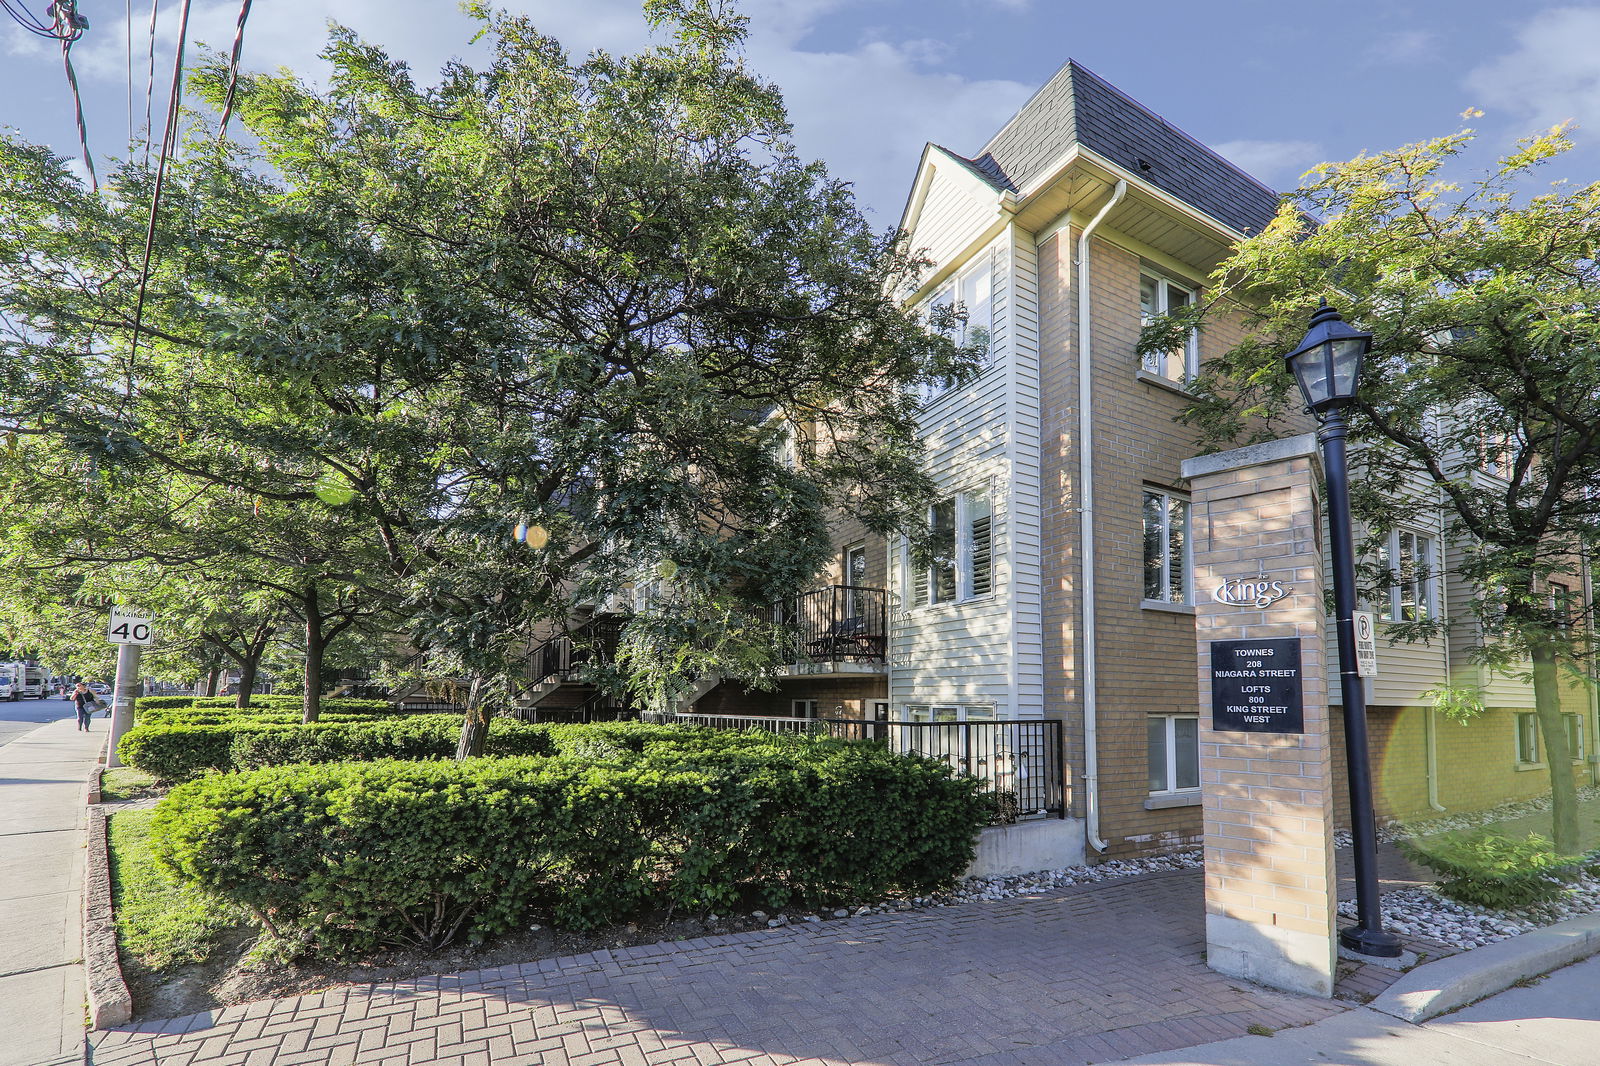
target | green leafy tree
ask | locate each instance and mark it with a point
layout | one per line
(592, 303)
(1484, 302)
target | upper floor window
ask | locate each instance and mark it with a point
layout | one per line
(963, 560)
(1411, 560)
(1560, 605)
(1159, 296)
(973, 290)
(1166, 547)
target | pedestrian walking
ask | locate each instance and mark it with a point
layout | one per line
(84, 701)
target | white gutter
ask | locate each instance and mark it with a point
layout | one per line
(1091, 751)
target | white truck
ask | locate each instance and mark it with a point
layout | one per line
(19, 679)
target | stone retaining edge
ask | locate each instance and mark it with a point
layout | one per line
(109, 1001)
(1439, 987)
(91, 795)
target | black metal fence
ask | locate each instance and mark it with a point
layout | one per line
(839, 623)
(1019, 762)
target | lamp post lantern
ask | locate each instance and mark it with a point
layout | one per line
(1327, 367)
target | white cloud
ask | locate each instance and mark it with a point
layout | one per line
(1552, 75)
(867, 109)
(1402, 46)
(1271, 162)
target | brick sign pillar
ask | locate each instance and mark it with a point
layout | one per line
(1265, 758)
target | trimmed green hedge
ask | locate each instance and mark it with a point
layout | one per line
(179, 751)
(345, 858)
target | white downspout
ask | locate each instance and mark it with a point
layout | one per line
(1431, 723)
(1091, 751)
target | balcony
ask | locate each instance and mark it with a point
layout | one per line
(840, 629)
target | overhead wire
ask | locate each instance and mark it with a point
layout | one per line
(66, 25)
(168, 143)
(233, 70)
(150, 84)
(128, 38)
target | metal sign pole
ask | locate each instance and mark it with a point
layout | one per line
(122, 696)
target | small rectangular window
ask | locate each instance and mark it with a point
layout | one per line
(1159, 296)
(942, 521)
(1172, 748)
(803, 708)
(1528, 739)
(1166, 547)
(1560, 605)
(1574, 724)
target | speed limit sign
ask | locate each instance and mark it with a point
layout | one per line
(130, 629)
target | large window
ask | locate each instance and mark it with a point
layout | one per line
(963, 546)
(973, 290)
(1173, 752)
(1411, 561)
(1159, 296)
(1166, 547)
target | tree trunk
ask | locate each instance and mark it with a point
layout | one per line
(213, 679)
(249, 666)
(1557, 757)
(316, 645)
(475, 726)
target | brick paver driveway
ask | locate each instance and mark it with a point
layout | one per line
(1080, 975)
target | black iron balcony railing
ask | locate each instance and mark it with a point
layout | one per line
(837, 623)
(559, 657)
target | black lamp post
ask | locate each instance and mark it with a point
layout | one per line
(1327, 366)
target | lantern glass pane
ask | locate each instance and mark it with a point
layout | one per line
(1346, 364)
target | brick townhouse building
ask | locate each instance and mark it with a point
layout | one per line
(1066, 593)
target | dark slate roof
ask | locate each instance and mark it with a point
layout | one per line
(1078, 106)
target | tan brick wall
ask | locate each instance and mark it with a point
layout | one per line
(1145, 656)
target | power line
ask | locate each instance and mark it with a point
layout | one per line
(65, 23)
(168, 141)
(77, 107)
(150, 85)
(233, 70)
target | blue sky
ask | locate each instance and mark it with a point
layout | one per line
(1276, 85)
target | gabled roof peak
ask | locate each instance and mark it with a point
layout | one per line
(1077, 106)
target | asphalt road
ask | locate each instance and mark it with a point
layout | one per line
(20, 717)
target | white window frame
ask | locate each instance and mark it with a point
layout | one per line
(1156, 363)
(852, 552)
(1561, 605)
(802, 708)
(956, 289)
(1170, 747)
(1168, 497)
(1390, 607)
(1525, 730)
(966, 508)
(963, 712)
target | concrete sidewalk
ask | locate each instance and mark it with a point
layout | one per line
(42, 820)
(1551, 1022)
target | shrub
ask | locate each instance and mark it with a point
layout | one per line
(1491, 870)
(348, 857)
(181, 751)
(421, 736)
(184, 749)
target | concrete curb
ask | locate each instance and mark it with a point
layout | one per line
(1437, 987)
(109, 1001)
(91, 793)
